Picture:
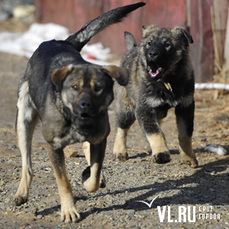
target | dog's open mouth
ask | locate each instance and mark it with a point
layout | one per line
(154, 70)
(84, 116)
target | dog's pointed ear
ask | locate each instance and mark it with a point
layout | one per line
(143, 28)
(58, 75)
(121, 75)
(130, 40)
(178, 30)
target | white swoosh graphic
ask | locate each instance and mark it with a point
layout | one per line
(148, 204)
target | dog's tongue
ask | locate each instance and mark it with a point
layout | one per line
(155, 73)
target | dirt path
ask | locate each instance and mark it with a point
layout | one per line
(175, 186)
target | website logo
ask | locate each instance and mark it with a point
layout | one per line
(148, 204)
(183, 213)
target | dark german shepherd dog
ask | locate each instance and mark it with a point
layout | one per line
(161, 77)
(70, 96)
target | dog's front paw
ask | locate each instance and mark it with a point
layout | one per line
(161, 157)
(69, 213)
(19, 200)
(121, 157)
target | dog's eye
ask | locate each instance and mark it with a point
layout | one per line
(75, 87)
(167, 45)
(149, 43)
(98, 88)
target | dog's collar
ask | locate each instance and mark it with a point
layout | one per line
(167, 85)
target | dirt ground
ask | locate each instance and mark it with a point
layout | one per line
(204, 191)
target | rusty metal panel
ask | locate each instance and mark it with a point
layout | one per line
(75, 13)
(208, 28)
(202, 50)
(166, 13)
(205, 19)
(219, 14)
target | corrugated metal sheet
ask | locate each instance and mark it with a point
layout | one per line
(205, 19)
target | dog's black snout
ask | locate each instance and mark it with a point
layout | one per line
(153, 54)
(85, 103)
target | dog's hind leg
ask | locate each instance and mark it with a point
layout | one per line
(26, 121)
(87, 153)
(120, 151)
(91, 175)
(185, 117)
(125, 118)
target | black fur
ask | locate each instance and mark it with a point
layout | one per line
(161, 77)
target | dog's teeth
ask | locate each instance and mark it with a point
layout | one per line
(151, 73)
(154, 74)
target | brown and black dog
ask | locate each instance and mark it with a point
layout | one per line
(161, 77)
(71, 97)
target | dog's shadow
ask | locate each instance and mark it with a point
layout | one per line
(191, 190)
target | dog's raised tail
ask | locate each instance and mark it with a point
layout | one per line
(80, 38)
